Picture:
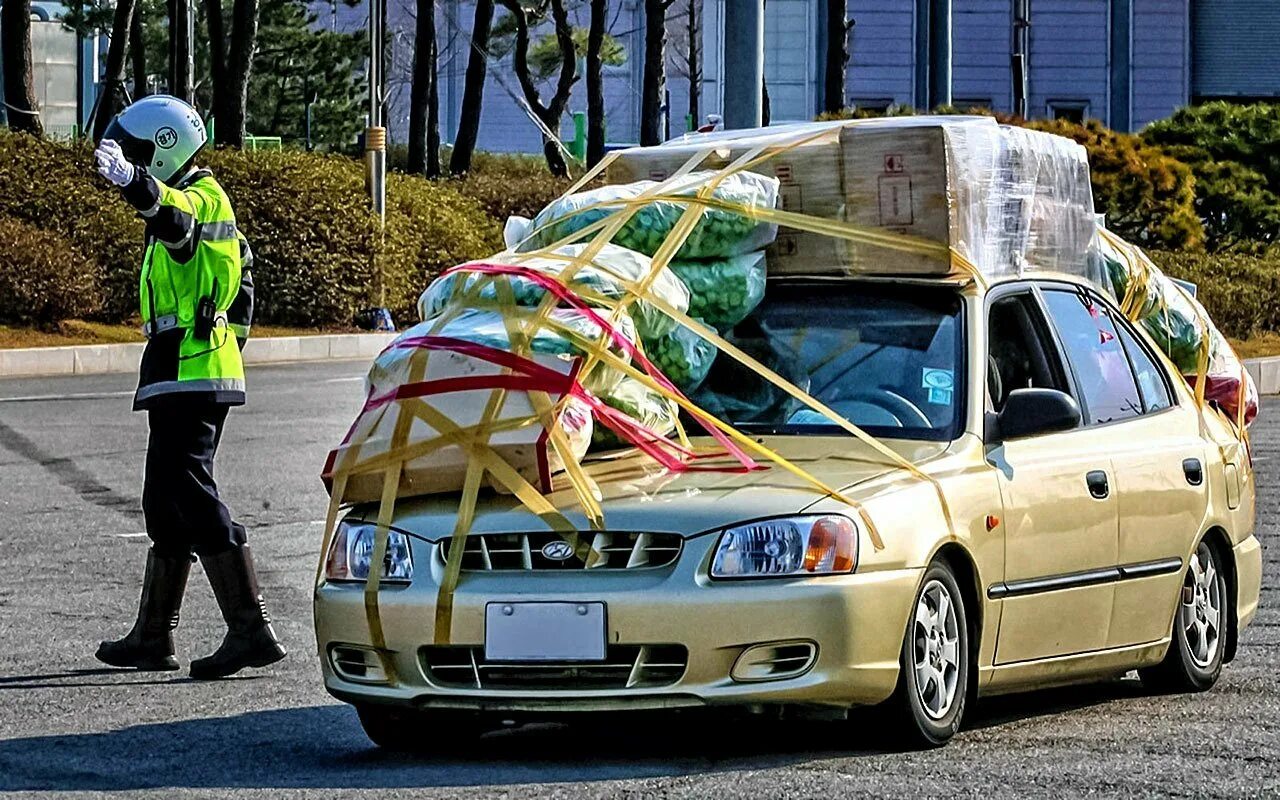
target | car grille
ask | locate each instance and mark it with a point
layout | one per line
(524, 551)
(624, 667)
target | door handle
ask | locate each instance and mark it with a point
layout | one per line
(1193, 470)
(1096, 480)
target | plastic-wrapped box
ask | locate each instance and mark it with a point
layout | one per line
(1002, 197)
(457, 385)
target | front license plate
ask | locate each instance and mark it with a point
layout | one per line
(544, 632)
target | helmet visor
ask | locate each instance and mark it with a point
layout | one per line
(138, 151)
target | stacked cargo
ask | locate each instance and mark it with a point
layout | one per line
(573, 337)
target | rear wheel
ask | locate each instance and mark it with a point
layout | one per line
(1199, 639)
(927, 707)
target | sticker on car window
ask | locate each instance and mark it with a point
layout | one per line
(940, 384)
(935, 378)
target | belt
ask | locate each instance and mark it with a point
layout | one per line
(159, 325)
(170, 321)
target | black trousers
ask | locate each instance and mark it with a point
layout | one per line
(179, 497)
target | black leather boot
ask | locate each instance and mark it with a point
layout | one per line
(250, 640)
(149, 646)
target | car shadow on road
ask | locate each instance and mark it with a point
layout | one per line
(323, 747)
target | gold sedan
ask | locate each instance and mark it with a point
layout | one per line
(1078, 517)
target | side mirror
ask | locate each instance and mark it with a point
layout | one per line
(1029, 412)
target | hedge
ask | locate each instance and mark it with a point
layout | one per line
(306, 216)
(1238, 290)
(42, 278)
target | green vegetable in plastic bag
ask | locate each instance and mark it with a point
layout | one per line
(719, 232)
(486, 327)
(723, 292)
(683, 356)
(612, 267)
(642, 404)
(1165, 314)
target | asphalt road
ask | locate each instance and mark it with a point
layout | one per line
(71, 554)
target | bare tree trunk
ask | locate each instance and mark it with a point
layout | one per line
(113, 74)
(548, 113)
(217, 58)
(19, 90)
(837, 55)
(181, 79)
(138, 55)
(473, 89)
(423, 96)
(695, 64)
(433, 103)
(244, 35)
(595, 83)
(654, 86)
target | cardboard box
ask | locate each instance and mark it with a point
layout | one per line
(964, 182)
(526, 449)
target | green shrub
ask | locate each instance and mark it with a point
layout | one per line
(53, 186)
(508, 184)
(307, 219)
(42, 279)
(1238, 290)
(306, 216)
(1245, 133)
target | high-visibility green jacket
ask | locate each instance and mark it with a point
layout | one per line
(194, 252)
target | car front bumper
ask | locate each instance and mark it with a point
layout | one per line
(855, 623)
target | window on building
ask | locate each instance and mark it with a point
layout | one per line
(1071, 110)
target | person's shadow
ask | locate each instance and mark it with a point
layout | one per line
(323, 747)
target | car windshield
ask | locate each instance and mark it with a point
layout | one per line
(885, 357)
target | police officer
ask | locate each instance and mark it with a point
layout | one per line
(196, 303)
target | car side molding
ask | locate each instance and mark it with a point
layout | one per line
(1091, 577)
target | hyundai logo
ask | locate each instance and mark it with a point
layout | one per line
(557, 550)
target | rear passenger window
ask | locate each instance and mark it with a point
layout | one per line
(1096, 355)
(1151, 380)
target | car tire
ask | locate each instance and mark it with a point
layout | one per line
(1200, 628)
(406, 730)
(928, 705)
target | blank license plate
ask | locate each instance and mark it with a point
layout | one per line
(544, 632)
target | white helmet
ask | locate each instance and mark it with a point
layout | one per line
(159, 132)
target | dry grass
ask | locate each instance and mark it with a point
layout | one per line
(74, 331)
(1264, 344)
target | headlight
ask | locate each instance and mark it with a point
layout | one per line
(821, 544)
(352, 551)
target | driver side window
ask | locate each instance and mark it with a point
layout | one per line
(1017, 354)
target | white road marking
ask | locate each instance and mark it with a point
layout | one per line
(352, 379)
(34, 398)
(130, 535)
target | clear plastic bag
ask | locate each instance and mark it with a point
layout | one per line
(683, 356)
(607, 276)
(654, 412)
(719, 232)
(722, 292)
(487, 327)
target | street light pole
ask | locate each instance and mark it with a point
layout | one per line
(375, 136)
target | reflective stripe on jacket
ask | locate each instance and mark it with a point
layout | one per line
(193, 252)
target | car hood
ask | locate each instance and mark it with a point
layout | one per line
(637, 495)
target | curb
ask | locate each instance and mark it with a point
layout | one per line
(99, 359)
(1265, 372)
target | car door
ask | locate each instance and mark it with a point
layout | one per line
(1161, 482)
(1060, 515)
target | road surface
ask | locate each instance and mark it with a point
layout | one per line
(71, 554)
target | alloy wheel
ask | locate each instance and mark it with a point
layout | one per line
(936, 650)
(1200, 613)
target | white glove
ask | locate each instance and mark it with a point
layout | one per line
(112, 164)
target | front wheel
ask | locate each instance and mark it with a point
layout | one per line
(927, 707)
(1199, 639)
